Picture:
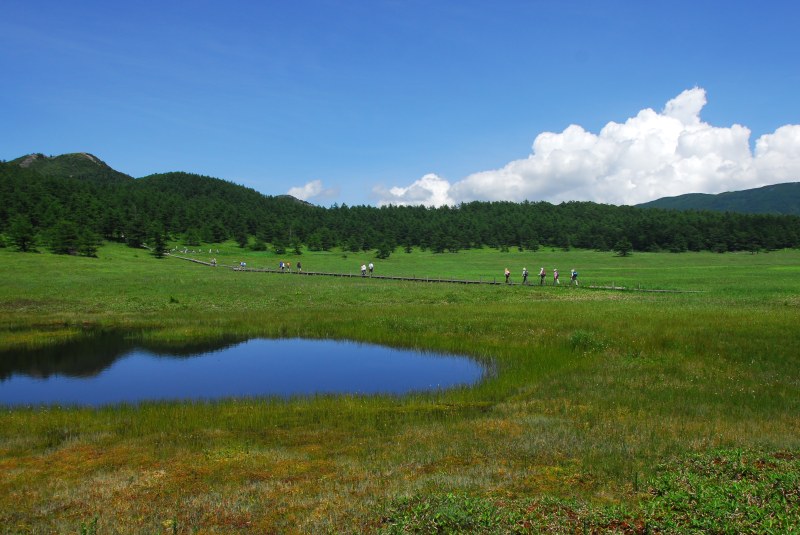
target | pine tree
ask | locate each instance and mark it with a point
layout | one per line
(623, 247)
(384, 251)
(158, 241)
(22, 234)
(64, 237)
(88, 242)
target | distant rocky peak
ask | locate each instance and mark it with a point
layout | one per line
(90, 157)
(30, 158)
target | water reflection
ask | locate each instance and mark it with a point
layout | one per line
(89, 356)
(111, 369)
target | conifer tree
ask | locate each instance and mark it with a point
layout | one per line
(22, 234)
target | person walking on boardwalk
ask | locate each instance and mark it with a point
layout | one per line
(363, 270)
(573, 277)
(524, 275)
(555, 277)
(299, 267)
(371, 268)
(542, 275)
(507, 274)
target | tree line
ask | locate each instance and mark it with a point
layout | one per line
(75, 213)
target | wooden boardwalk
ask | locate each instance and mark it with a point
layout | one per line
(345, 275)
(414, 278)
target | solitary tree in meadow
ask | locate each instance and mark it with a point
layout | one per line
(623, 247)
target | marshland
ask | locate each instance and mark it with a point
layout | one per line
(608, 410)
(157, 374)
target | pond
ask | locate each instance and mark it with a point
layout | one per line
(111, 369)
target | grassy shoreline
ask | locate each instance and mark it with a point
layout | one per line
(594, 390)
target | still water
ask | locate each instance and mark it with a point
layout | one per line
(109, 369)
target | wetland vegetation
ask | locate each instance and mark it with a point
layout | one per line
(610, 410)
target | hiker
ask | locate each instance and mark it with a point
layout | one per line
(573, 277)
(282, 266)
(555, 277)
(371, 268)
(542, 275)
(507, 274)
(524, 275)
(363, 270)
(299, 267)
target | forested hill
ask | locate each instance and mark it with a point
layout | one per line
(77, 165)
(71, 203)
(775, 199)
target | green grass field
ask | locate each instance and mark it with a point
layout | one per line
(624, 411)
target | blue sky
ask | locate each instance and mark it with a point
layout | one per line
(413, 101)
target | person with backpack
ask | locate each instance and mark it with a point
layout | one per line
(542, 275)
(524, 275)
(573, 277)
(507, 274)
(555, 277)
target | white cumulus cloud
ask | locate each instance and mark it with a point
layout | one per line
(312, 190)
(650, 155)
(430, 190)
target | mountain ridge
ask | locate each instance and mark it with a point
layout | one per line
(82, 165)
(779, 199)
(56, 200)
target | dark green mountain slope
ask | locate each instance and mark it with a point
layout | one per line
(775, 199)
(217, 209)
(68, 203)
